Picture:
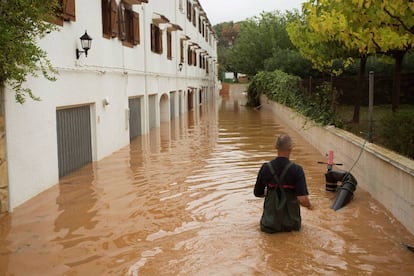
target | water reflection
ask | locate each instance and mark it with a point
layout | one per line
(76, 203)
(179, 201)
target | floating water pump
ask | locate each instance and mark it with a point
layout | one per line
(345, 190)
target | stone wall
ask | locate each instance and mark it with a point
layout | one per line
(4, 187)
(386, 175)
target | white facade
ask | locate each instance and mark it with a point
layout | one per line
(105, 80)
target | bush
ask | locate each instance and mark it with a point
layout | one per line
(398, 132)
(287, 90)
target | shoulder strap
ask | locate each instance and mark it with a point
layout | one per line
(282, 175)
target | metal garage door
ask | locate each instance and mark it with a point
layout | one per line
(134, 117)
(73, 138)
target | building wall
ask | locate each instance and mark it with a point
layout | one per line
(387, 176)
(111, 72)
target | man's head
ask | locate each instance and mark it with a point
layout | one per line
(284, 144)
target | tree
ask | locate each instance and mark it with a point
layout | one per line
(22, 23)
(367, 27)
(263, 44)
(382, 27)
(317, 38)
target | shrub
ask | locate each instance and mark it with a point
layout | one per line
(287, 90)
(398, 132)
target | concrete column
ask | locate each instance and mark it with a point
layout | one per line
(4, 182)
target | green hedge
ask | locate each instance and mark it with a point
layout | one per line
(287, 90)
(398, 132)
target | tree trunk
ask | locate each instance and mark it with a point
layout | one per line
(359, 89)
(4, 182)
(399, 56)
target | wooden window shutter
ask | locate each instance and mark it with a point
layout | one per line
(189, 10)
(121, 22)
(106, 20)
(169, 46)
(135, 27)
(189, 56)
(114, 18)
(68, 9)
(181, 51)
(57, 17)
(194, 58)
(153, 38)
(159, 41)
(193, 16)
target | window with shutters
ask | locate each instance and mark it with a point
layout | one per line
(199, 24)
(109, 18)
(169, 45)
(128, 25)
(65, 12)
(156, 39)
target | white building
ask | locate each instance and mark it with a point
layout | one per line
(150, 61)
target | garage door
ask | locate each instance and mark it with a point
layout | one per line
(134, 117)
(73, 138)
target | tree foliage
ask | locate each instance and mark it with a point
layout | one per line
(263, 44)
(22, 23)
(347, 29)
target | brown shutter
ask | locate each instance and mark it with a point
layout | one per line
(106, 27)
(169, 45)
(159, 41)
(153, 38)
(194, 17)
(189, 10)
(121, 22)
(181, 51)
(114, 18)
(189, 56)
(68, 9)
(135, 27)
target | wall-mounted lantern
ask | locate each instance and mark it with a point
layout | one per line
(86, 42)
(180, 67)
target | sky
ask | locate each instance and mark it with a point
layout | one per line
(219, 11)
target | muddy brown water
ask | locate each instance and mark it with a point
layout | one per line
(179, 201)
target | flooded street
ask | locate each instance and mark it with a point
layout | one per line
(179, 201)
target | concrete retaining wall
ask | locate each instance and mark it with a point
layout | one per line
(387, 176)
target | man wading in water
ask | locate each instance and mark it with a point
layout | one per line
(286, 190)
